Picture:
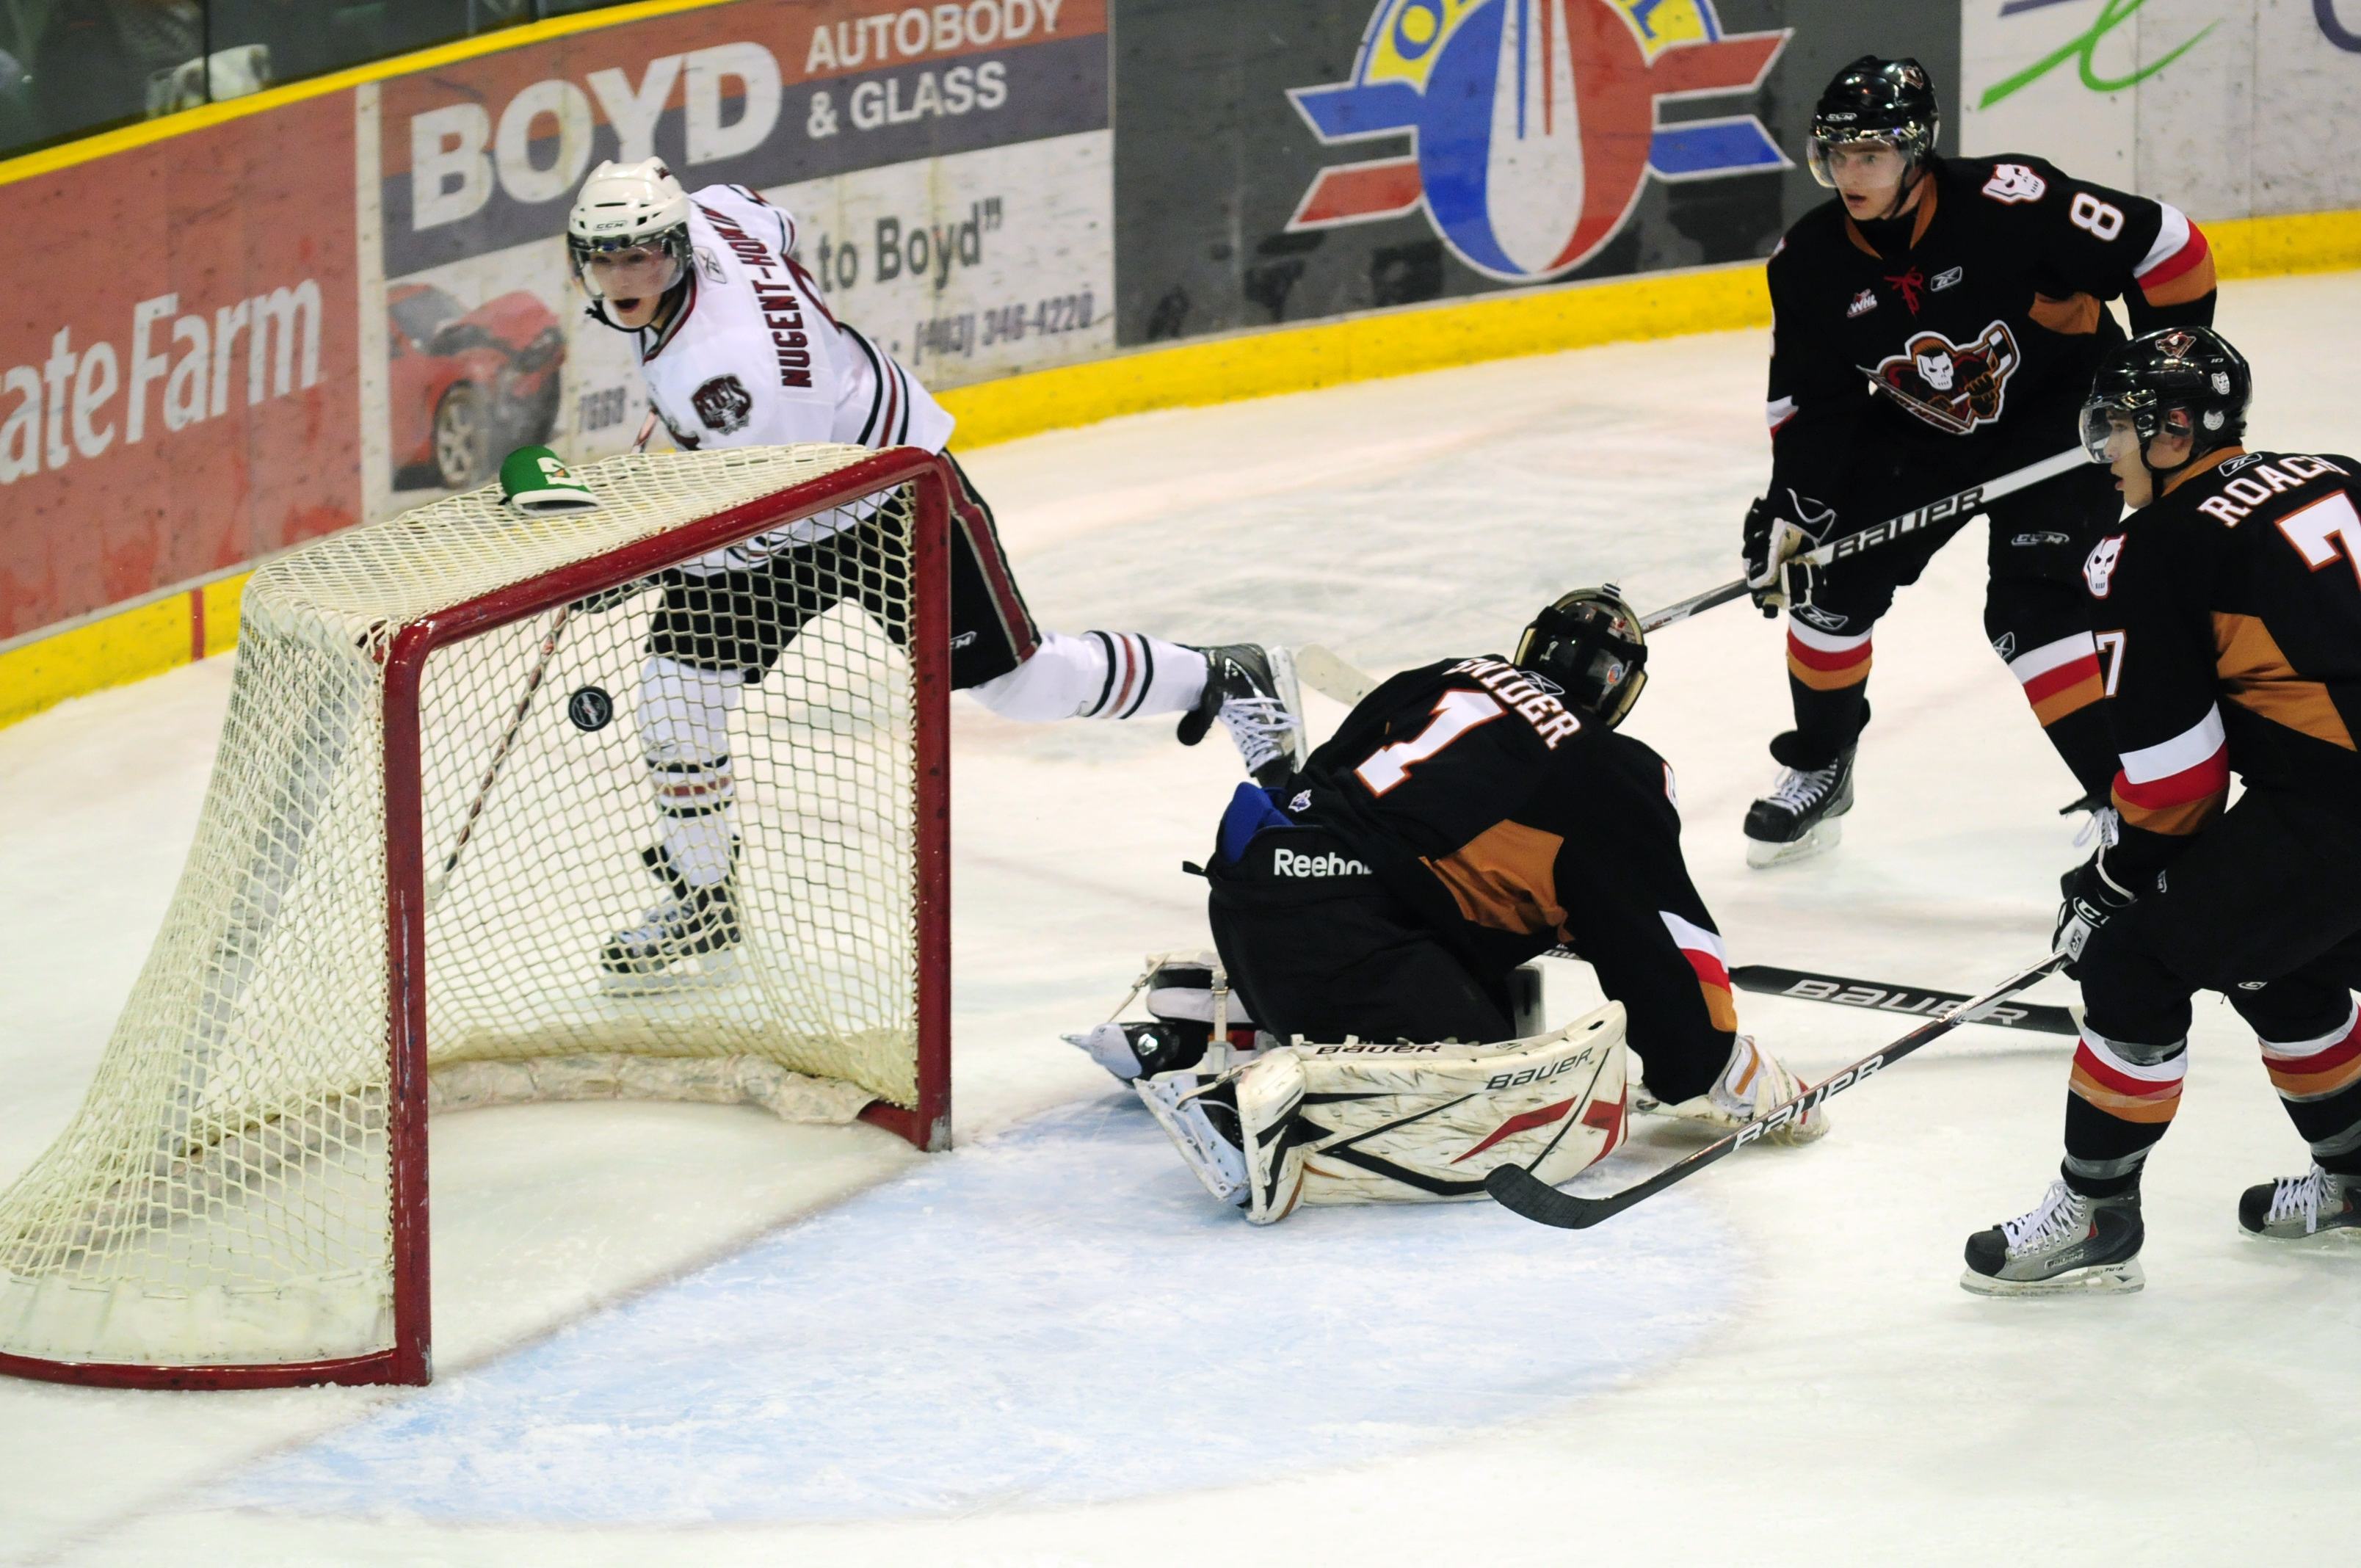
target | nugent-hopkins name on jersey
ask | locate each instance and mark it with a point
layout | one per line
(1978, 314)
(755, 357)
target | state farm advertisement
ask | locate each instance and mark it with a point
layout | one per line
(178, 389)
(949, 166)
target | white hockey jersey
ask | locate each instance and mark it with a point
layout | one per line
(755, 359)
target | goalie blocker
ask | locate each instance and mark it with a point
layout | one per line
(1369, 1122)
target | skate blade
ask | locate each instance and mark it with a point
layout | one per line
(1825, 836)
(707, 972)
(2104, 1279)
(1289, 688)
(2327, 1238)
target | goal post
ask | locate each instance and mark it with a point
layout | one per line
(241, 1200)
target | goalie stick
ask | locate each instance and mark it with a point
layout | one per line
(1885, 996)
(1515, 1187)
(1329, 673)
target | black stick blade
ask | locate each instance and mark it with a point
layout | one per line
(1515, 1188)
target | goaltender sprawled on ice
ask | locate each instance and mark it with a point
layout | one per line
(1375, 913)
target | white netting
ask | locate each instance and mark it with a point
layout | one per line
(223, 1196)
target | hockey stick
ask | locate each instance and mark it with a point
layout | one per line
(1329, 673)
(1960, 503)
(501, 752)
(1883, 996)
(516, 720)
(1515, 1187)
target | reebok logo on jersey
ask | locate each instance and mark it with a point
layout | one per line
(1287, 862)
(1862, 304)
(1945, 279)
(723, 404)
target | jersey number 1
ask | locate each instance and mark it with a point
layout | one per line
(1455, 713)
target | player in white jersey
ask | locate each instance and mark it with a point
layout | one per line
(738, 347)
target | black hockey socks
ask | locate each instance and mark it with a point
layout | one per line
(2318, 1080)
(2122, 1097)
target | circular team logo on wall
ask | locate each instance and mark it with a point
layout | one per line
(1532, 121)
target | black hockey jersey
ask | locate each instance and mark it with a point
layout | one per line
(1979, 315)
(1512, 824)
(2232, 605)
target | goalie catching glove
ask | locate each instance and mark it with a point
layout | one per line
(1396, 1124)
(1779, 527)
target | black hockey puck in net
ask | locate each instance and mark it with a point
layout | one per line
(590, 708)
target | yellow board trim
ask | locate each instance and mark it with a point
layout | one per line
(147, 133)
(153, 638)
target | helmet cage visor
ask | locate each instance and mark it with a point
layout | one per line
(1909, 140)
(630, 269)
(1594, 649)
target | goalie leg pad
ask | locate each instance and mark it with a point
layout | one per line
(1426, 1124)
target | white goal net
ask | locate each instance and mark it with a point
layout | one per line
(470, 839)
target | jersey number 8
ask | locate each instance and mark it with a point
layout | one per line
(2103, 220)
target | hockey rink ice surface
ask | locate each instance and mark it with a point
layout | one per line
(679, 1333)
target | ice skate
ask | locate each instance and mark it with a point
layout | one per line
(2298, 1208)
(1197, 1112)
(2068, 1244)
(1800, 816)
(1134, 1051)
(1253, 691)
(1754, 1083)
(691, 922)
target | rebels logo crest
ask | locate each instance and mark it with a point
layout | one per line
(1952, 387)
(723, 404)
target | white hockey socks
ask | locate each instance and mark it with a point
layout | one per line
(685, 732)
(1100, 675)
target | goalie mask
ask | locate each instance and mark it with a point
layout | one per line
(627, 234)
(1590, 644)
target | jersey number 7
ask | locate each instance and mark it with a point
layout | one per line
(1455, 713)
(2317, 529)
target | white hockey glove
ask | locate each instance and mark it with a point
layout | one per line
(1779, 527)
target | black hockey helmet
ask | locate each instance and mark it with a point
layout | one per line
(1590, 644)
(1877, 100)
(2182, 380)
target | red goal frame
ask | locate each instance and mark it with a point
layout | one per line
(409, 1360)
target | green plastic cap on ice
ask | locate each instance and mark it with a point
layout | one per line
(533, 481)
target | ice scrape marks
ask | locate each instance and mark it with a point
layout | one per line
(1030, 1322)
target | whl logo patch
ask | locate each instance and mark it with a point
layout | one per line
(1532, 123)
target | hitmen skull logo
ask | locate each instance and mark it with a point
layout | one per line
(723, 404)
(1952, 387)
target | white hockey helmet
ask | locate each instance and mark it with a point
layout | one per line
(626, 207)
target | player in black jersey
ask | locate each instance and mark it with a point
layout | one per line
(1469, 816)
(1968, 294)
(2232, 596)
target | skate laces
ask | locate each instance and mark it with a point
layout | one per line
(1800, 789)
(2306, 1194)
(1260, 726)
(2058, 1215)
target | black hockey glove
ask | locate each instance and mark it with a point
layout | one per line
(2090, 897)
(1778, 526)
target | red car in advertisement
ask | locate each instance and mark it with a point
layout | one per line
(465, 387)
